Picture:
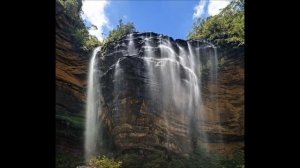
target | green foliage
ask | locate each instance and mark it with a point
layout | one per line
(156, 160)
(79, 32)
(235, 161)
(176, 163)
(116, 34)
(85, 41)
(201, 158)
(80, 35)
(164, 160)
(225, 28)
(131, 160)
(120, 31)
(69, 128)
(151, 159)
(72, 7)
(91, 42)
(65, 160)
(72, 121)
(104, 162)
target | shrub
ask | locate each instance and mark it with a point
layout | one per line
(201, 158)
(131, 160)
(85, 41)
(91, 42)
(235, 161)
(151, 159)
(64, 160)
(104, 162)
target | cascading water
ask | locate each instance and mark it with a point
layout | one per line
(170, 73)
(178, 79)
(214, 81)
(93, 109)
(131, 47)
(214, 78)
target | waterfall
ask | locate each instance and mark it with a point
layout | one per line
(214, 81)
(214, 78)
(176, 79)
(93, 110)
(131, 46)
(171, 73)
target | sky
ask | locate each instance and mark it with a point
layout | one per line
(173, 18)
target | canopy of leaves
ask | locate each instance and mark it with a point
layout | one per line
(72, 8)
(117, 33)
(120, 31)
(86, 42)
(225, 28)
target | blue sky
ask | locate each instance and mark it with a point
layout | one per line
(174, 18)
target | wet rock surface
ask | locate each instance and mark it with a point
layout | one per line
(138, 120)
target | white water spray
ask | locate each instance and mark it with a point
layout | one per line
(93, 110)
(131, 46)
(174, 78)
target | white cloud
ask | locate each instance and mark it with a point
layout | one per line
(94, 12)
(199, 9)
(213, 7)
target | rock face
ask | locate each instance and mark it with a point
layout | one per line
(224, 123)
(136, 120)
(71, 71)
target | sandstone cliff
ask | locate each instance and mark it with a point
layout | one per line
(71, 71)
(135, 121)
(225, 121)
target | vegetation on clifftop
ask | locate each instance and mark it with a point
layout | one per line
(120, 31)
(225, 28)
(117, 33)
(80, 34)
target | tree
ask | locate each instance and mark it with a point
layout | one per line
(72, 7)
(225, 28)
(120, 31)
